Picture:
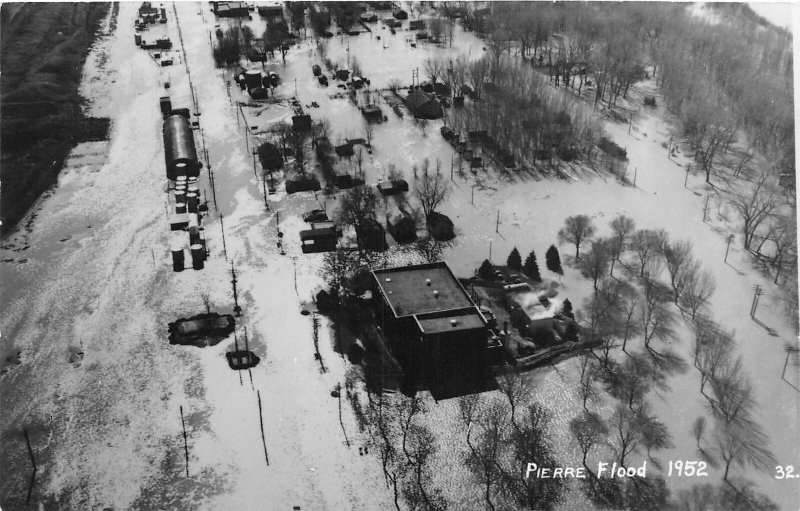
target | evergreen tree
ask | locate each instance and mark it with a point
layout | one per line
(531, 268)
(514, 260)
(553, 260)
(567, 309)
(486, 271)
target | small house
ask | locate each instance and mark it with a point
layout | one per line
(319, 239)
(422, 105)
(392, 187)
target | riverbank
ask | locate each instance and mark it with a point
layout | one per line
(44, 47)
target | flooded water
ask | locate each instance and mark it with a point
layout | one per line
(93, 269)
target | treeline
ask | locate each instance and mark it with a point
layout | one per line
(44, 46)
(718, 78)
(521, 113)
(639, 315)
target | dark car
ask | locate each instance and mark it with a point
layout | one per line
(315, 215)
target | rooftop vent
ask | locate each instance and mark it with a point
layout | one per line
(427, 282)
(388, 279)
(436, 293)
(453, 322)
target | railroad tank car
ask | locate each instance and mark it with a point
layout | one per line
(180, 153)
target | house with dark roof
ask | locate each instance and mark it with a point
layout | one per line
(423, 105)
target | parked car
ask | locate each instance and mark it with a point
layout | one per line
(315, 215)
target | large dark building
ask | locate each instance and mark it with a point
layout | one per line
(436, 330)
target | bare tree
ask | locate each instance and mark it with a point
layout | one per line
(531, 441)
(497, 43)
(470, 411)
(431, 190)
(754, 207)
(595, 262)
(589, 430)
(576, 229)
(356, 208)
(647, 243)
(589, 371)
(636, 429)
(623, 227)
(477, 72)
(369, 133)
(657, 322)
(513, 387)
(358, 154)
(434, 68)
(483, 460)
(680, 265)
(459, 73)
(697, 291)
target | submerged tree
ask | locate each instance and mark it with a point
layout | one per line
(576, 229)
(431, 190)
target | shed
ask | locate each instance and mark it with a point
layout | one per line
(270, 157)
(301, 122)
(392, 187)
(344, 150)
(319, 240)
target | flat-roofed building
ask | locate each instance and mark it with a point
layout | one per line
(433, 324)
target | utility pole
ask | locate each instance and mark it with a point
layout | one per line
(236, 309)
(222, 226)
(264, 186)
(185, 443)
(686, 180)
(730, 238)
(254, 163)
(705, 210)
(756, 296)
(635, 171)
(497, 224)
(294, 267)
(490, 250)
(451, 167)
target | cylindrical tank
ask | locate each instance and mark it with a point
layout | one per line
(252, 78)
(180, 153)
(192, 202)
(194, 223)
(181, 180)
(195, 238)
(193, 188)
(198, 256)
(137, 37)
(177, 259)
(180, 207)
(180, 196)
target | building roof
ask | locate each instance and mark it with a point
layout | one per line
(407, 290)
(449, 321)
(532, 307)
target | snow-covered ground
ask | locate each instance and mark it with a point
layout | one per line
(108, 433)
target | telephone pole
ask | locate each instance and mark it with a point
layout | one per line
(236, 309)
